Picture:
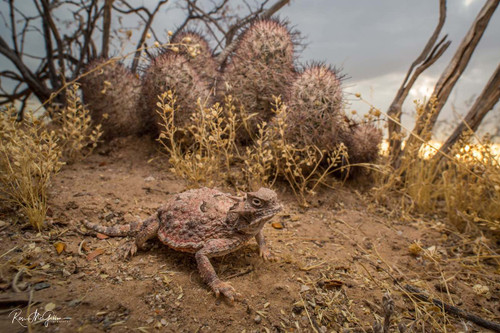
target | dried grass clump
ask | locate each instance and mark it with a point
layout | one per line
(173, 72)
(212, 151)
(30, 157)
(316, 115)
(194, 46)
(471, 186)
(112, 93)
(261, 67)
(465, 187)
(77, 134)
(213, 155)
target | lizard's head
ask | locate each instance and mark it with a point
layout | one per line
(256, 209)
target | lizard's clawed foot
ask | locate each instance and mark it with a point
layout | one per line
(225, 288)
(129, 249)
(266, 254)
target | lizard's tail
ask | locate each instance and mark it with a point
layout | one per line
(120, 230)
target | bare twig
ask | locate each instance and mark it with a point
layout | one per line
(429, 55)
(417, 293)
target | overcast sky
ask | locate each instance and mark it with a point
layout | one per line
(374, 42)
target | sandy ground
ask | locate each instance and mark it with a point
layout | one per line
(334, 262)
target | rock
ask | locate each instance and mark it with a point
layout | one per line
(41, 285)
(304, 288)
(257, 319)
(149, 179)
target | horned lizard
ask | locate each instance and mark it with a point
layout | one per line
(206, 222)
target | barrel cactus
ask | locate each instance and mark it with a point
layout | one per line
(363, 143)
(173, 71)
(262, 66)
(111, 93)
(315, 114)
(195, 48)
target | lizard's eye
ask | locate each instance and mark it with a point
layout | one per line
(256, 202)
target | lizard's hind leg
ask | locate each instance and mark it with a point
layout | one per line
(149, 230)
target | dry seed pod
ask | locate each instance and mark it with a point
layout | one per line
(261, 67)
(111, 93)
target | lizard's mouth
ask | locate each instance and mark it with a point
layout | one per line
(267, 214)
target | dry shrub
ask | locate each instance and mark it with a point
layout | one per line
(30, 157)
(471, 185)
(465, 187)
(77, 135)
(214, 156)
(32, 153)
(210, 154)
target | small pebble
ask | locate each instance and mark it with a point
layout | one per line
(304, 288)
(257, 319)
(41, 285)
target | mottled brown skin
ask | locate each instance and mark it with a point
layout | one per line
(206, 222)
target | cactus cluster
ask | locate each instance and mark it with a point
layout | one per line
(261, 67)
(111, 93)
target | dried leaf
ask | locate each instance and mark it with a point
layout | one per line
(60, 246)
(332, 284)
(94, 254)
(277, 225)
(50, 307)
(102, 236)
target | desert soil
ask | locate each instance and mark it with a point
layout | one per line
(334, 262)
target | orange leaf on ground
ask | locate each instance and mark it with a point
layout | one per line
(94, 254)
(277, 225)
(60, 246)
(102, 236)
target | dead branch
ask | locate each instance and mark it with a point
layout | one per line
(70, 41)
(148, 22)
(429, 55)
(453, 71)
(415, 292)
(106, 27)
(483, 104)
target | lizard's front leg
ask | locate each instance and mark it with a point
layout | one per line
(207, 272)
(263, 249)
